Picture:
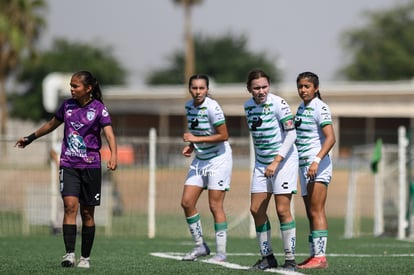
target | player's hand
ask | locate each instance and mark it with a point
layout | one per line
(187, 151)
(271, 169)
(189, 137)
(23, 142)
(313, 169)
(111, 167)
(112, 164)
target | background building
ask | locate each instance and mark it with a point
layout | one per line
(362, 111)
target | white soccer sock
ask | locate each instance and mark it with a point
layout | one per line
(221, 237)
(320, 240)
(196, 231)
(221, 241)
(263, 235)
(288, 232)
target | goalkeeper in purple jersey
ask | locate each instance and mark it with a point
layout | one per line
(84, 116)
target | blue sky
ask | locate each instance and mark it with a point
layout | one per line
(300, 35)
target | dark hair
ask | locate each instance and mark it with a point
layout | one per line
(313, 78)
(88, 79)
(198, 76)
(255, 74)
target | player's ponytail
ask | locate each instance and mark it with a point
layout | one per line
(96, 91)
(318, 94)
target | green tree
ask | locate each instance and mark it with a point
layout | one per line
(20, 25)
(65, 57)
(226, 59)
(383, 49)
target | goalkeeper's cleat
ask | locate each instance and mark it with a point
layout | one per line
(68, 260)
(315, 263)
(84, 262)
(198, 251)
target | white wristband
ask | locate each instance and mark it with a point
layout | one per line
(317, 159)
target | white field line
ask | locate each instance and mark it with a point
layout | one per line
(178, 256)
(328, 255)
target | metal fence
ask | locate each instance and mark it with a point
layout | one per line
(30, 202)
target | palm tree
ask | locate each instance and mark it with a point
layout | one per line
(189, 49)
(20, 24)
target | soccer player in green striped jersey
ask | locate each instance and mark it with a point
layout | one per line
(272, 128)
(210, 169)
(315, 138)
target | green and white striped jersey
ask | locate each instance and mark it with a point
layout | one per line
(201, 121)
(309, 121)
(267, 123)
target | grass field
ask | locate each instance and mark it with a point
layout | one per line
(138, 255)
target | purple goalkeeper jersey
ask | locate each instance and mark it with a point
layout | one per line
(82, 133)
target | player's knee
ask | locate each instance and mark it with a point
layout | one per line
(186, 204)
(71, 210)
(216, 208)
(255, 211)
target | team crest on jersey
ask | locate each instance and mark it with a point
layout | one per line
(308, 111)
(90, 115)
(266, 109)
(202, 111)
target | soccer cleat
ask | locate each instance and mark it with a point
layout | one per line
(84, 262)
(306, 260)
(265, 263)
(314, 263)
(219, 257)
(68, 260)
(289, 265)
(198, 251)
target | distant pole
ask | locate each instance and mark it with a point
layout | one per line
(189, 43)
(152, 183)
(189, 49)
(402, 182)
(252, 226)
